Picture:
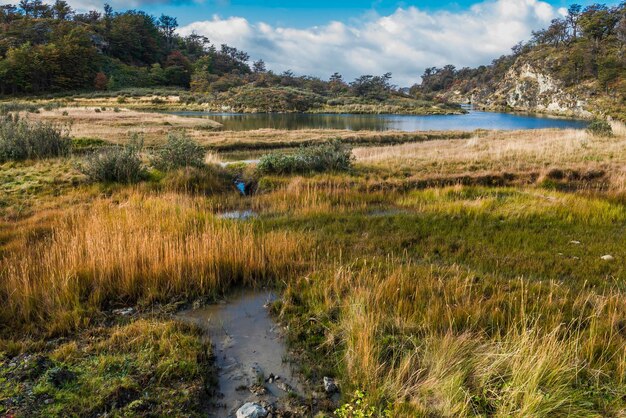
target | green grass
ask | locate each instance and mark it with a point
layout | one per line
(432, 301)
(146, 367)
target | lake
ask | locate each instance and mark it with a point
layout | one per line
(471, 121)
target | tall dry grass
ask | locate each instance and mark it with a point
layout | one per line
(505, 152)
(142, 249)
(435, 341)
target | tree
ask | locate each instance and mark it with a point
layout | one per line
(598, 21)
(258, 67)
(61, 10)
(168, 26)
(135, 38)
(573, 15)
(554, 35)
(336, 84)
(101, 81)
(178, 69)
(8, 13)
(108, 18)
(372, 87)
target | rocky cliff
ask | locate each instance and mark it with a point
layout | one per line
(526, 87)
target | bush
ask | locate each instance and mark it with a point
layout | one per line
(331, 156)
(600, 127)
(178, 152)
(116, 164)
(22, 140)
(205, 180)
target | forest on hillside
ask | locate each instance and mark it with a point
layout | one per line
(585, 46)
(52, 48)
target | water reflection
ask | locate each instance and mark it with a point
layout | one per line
(471, 121)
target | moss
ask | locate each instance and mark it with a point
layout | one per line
(145, 368)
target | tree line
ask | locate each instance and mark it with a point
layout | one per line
(587, 44)
(53, 48)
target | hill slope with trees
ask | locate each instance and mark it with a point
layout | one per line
(576, 66)
(53, 49)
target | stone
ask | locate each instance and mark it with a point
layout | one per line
(251, 410)
(575, 242)
(607, 257)
(256, 372)
(284, 387)
(124, 311)
(329, 385)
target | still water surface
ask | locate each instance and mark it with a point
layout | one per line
(471, 121)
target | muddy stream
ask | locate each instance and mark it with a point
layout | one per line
(250, 353)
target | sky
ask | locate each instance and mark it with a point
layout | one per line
(320, 37)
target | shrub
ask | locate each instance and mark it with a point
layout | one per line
(600, 127)
(101, 81)
(179, 151)
(204, 180)
(6, 108)
(22, 140)
(332, 156)
(116, 164)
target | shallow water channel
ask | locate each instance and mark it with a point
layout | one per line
(249, 349)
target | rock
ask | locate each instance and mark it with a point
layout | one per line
(575, 242)
(251, 410)
(330, 386)
(607, 257)
(284, 387)
(256, 371)
(124, 311)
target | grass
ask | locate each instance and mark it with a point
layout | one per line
(425, 280)
(446, 341)
(138, 368)
(141, 249)
(117, 126)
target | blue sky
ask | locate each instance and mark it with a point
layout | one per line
(305, 12)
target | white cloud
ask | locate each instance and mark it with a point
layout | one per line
(403, 43)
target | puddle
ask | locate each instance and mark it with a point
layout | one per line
(238, 215)
(245, 162)
(249, 349)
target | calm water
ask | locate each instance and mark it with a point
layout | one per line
(470, 121)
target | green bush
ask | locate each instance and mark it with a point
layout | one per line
(21, 139)
(179, 151)
(116, 164)
(600, 127)
(331, 156)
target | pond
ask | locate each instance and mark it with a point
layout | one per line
(471, 121)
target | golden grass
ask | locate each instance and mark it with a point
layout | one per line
(443, 341)
(513, 152)
(117, 127)
(144, 248)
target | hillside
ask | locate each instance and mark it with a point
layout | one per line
(51, 49)
(574, 67)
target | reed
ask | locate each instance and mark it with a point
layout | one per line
(142, 249)
(446, 341)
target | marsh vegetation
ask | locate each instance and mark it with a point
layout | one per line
(447, 274)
